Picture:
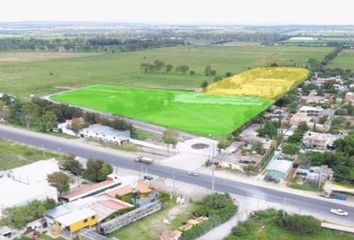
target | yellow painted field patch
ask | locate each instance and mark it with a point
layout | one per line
(266, 82)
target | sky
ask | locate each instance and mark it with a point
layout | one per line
(260, 12)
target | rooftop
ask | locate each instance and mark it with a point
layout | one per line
(75, 216)
(27, 183)
(105, 130)
(279, 165)
(87, 189)
(309, 108)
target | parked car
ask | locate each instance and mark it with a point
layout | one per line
(339, 212)
(193, 173)
(271, 179)
(147, 177)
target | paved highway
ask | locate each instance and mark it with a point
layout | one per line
(317, 206)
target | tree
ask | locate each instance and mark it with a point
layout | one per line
(299, 133)
(105, 170)
(291, 148)
(204, 85)
(159, 65)
(97, 170)
(228, 74)
(48, 121)
(29, 111)
(60, 181)
(209, 71)
(258, 147)
(72, 165)
(168, 68)
(269, 129)
(182, 68)
(4, 111)
(170, 138)
(223, 144)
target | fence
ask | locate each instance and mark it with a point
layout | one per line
(130, 217)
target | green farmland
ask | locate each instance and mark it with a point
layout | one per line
(198, 113)
(41, 75)
(344, 60)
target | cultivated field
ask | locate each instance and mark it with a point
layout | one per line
(344, 60)
(265, 82)
(198, 113)
(40, 77)
(16, 57)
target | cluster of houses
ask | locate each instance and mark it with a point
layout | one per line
(86, 206)
(317, 111)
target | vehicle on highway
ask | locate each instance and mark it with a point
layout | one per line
(193, 173)
(143, 159)
(339, 212)
(271, 179)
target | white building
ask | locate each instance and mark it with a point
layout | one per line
(22, 185)
(311, 111)
(67, 126)
(106, 134)
(318, 141)
(340, 87)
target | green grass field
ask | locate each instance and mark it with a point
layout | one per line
(344, 60)
(198, 113)
(41, 77)
(16, 155)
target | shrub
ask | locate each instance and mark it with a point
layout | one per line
(300, 224)
(218, 208)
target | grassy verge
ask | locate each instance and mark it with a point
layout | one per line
(15, 155)
(46, 237)
(145, 135)
(304, 186)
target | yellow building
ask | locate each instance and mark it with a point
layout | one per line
(76, 220)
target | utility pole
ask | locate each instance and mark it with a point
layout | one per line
(60, 154)
(212, 169)
(43, 152)
(320, 178)
(174, 183)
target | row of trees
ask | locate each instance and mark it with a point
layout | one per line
(44, 115)
(160, 66)
(18, 217)
(86, 44)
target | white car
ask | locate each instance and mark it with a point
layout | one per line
(339, 212)
(193, 173)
